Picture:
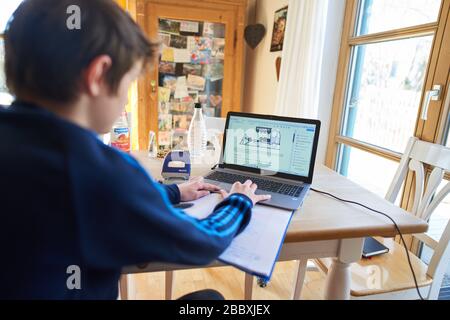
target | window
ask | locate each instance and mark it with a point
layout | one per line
(356, 170)
(6, 10)
(383, 15)
(391, 55)
(385, 91)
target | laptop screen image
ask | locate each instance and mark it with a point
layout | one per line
(271, 145)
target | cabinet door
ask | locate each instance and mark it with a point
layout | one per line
(196, 66)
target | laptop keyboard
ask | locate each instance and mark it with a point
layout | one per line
(266, 185)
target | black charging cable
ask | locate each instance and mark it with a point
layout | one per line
(395, 224)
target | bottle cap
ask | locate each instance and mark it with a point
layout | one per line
(198, 106)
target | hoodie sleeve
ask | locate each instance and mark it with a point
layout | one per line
(125, 218)
(173, 193)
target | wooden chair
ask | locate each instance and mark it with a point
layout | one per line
(388, 276)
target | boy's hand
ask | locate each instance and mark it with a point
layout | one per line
(196, 189)
(249, 189)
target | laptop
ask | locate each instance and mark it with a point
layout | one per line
(276, 153)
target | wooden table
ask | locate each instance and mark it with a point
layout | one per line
(322, 228)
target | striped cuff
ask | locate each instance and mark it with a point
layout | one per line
(241, 202)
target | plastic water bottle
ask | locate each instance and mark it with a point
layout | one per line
(120, 134)
(197, 135)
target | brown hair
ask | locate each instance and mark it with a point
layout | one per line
(45, 58)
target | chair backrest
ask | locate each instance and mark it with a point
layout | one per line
(417, 157)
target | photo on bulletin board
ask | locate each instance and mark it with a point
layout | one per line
(169, 26)
(167, 67)
(165, 122)
(164, 107)
(179, 140)
(164, 39)
(218, 50)
(170, 82)
(165, 138)
(178, 42)
(181, 121)
(192, 69)
(279, 28)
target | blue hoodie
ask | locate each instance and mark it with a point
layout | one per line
(66, 200)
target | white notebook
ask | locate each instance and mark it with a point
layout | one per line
(256, 249)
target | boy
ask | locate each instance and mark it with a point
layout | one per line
(68, 202)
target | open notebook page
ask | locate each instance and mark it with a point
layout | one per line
(256, 249)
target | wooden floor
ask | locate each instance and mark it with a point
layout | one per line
(227, 280)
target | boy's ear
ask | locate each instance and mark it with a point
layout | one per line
(94, 75)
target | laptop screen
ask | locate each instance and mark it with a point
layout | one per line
(271, 145)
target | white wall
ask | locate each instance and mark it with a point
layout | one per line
(260, 77)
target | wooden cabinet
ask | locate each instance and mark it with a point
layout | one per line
(202, 50)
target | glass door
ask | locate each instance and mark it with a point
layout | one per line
(191, 71)
(199, 63)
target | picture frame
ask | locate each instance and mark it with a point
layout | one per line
(279, 29)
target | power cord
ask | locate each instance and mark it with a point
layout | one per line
(396, 226)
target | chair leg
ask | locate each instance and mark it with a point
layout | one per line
(123, 287)
(169, 275)
(300, 278)
(248, 287)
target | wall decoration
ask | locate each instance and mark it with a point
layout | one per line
(254, 34)
(193, 69)
(189, 26)
(181, 90)
(278, 67)
(164, 107)
(167, 54)
(170, 82)
(179, 140)
(165, 122)
(279, 28)
(218, 50)
(164, 138)
(215, 100)
(163, 94)
(164, 39)
(167, 67)
(169, 26)
(201, 57)
(196, 83)
(213, 71)
(181, 122)
(178, 42)
(181, 56)
(208, 29)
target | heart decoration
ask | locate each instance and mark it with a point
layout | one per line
(254, 34)
(215, 100)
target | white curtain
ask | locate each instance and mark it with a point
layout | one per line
(302, 58)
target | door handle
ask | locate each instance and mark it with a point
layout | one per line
(432, 95)
(153, 86)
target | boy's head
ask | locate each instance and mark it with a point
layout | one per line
(82, 53)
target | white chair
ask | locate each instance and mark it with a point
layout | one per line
(388, 276)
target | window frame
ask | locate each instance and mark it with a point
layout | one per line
(432, 130)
